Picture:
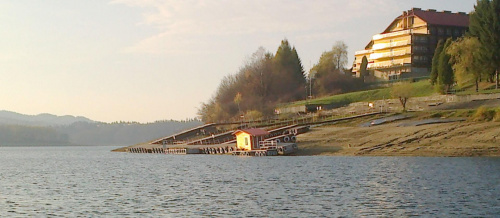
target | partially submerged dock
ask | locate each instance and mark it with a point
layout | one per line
(209, 139)
(245, 142)
(273, 150)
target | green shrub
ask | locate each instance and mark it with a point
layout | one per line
(253, 115)
(436, 115)
(484, 114)
(497, 115)
(464, 113)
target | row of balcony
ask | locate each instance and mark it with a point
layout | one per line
(415, 29)
(376, 56)
(385, 64)
(387, 35)
(379, 46)
(362, 52)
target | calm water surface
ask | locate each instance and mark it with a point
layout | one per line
(91, 181)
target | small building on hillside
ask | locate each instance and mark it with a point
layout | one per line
(406, 47)
(249, 139)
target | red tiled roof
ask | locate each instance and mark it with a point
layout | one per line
(443, 18)
(254, 131)
(435, 18)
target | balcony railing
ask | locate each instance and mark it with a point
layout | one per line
(386, 64)
(362, 52)
(391, 44)
(387, 35)
(376, 56)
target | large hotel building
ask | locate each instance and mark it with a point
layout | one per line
(405, 48)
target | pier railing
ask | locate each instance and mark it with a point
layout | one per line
(266, 145)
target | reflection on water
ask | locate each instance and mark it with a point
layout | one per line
(91, 181)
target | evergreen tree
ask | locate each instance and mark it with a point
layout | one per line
(363, 69)
(297, 68)
(435, 62)
(445, 71)
(288, 74)
(263, 81)
(485, 25)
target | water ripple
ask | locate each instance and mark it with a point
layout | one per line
(91, 181)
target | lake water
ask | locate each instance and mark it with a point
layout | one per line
(91, 181)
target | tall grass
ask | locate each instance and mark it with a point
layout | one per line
(497, 116)
(484, 114)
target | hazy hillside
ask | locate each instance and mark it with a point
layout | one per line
(84, 133)
(8, 117)
(12, 135)
(46, 129)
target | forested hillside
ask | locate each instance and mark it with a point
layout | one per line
(266, 80)
(83, 133)
(31, 135)
(25, 130)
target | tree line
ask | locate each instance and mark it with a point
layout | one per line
(31, 135)
(330, 76)
(90, 133)
(473, 57)
(267, 79)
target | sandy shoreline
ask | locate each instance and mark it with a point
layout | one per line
(412, 134)
(456, 139)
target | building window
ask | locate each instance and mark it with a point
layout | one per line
(433, 30)
(420, 59)
(416, 38)
(433, 40)
(246, 141)
(393, 77)
(448, 32)
(421, 39)
(440, 31)
(420, 48)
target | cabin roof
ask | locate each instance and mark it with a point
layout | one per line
(253, 131)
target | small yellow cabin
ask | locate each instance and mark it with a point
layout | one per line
(249, 139)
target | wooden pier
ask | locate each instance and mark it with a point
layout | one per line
(268, 148)
(208, 139)
(278, 141)
(259, 153)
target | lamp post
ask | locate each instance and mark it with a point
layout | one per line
(311, 77)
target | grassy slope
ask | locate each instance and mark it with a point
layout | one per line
(484, 88)
(421, 88)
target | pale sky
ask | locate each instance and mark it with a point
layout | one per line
(147, 60)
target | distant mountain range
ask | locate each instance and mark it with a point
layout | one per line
(8, 117)
(47, 129)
